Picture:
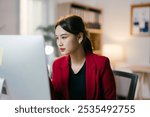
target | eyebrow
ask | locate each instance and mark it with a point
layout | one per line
(62, 35)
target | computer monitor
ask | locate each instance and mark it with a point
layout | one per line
(23, 66)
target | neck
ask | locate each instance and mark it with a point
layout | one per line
(78, 57)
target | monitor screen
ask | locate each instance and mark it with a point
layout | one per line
(23, 66)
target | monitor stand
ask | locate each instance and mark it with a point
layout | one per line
(3, 89)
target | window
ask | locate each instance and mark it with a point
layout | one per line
(33, 13)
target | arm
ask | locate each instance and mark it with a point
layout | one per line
(54, 83)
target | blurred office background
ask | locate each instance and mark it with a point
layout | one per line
(113, 37)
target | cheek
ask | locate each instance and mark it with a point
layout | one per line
(72, 44)
(57, 42)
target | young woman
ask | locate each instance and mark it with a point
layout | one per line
(79, 74)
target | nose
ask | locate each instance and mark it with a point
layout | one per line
(59, 43)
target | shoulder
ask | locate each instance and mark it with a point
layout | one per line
(60, 60)
(99, 58)
(100, 61)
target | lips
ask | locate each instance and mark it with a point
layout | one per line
(62, 49)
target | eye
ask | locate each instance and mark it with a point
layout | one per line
(64, 37)
(56, 38)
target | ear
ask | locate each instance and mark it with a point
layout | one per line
(80, 37)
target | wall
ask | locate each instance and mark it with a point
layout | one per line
(9, 16)
(24, 19)
(116, 29)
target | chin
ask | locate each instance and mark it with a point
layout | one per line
(64, 53)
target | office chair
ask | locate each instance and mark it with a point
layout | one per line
(125, 84)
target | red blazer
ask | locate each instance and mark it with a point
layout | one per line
(100, 83)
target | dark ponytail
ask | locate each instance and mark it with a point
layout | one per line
(75, 25)
(87, 45)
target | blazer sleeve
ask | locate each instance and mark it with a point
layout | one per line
(54, 83)
(108, 81)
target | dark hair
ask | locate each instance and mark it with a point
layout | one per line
(75, 25)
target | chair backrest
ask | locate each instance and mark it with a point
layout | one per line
(125, 84)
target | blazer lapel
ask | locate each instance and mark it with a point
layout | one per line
(90, 77)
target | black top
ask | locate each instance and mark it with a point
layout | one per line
(77, 84)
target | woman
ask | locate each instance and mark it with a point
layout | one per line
(79, 74)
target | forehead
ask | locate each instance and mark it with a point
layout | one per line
(59, 31)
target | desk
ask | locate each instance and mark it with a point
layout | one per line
(143, 86)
